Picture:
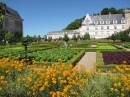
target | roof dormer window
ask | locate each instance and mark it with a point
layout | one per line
(95, 22)
(107, 22)
(122, 20)
(101, 22)
(114, 21)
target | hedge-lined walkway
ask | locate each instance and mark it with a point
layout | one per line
(87, 60)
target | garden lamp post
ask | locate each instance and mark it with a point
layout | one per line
(25, 43)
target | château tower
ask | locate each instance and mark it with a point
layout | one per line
(127, 17)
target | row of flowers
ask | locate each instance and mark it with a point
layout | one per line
(18, 79)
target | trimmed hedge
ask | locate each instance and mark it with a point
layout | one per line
(76, 59)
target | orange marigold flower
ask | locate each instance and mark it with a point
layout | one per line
(0, 88)
(2, 77)
(122, 95)
(41, 89)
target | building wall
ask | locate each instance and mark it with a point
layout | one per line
(127, 19)
(13, 24)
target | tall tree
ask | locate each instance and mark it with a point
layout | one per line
(39, 38)
(66, 39)
(105, 11)
(86, 36)
(113, 10)
(49, 39)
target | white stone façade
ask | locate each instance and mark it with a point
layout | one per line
(98, 26)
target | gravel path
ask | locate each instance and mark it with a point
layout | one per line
(87, 61)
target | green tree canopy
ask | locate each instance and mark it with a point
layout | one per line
(105, 11)
(124, 36)
(86, 36)
(9, 37)
(75, 38)
(66, 38)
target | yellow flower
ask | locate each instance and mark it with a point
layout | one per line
(122, 90)
(42, 88)
(65, 73)
(124, 78)
(116, 90)
(111, 89)
(115, 85)
(65, 90)
(29, 79)
(54, 81)
(0, 88)
(2, 77)
(4, 82)
(28, 93)
(58, 93)
(119, 84)
(114, 70)
(26, 85)
(46, 83)
(114, 78)
(70, 66)
(99, 70)
(109, 72)
(127, 88)
(122, 95)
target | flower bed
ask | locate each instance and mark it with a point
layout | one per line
(116, 57)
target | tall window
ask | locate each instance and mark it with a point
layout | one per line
(96, 28)
(102, 32)
(87, 28)
(107, 27)
(115, 27)
(101, 27)
(115, 32)
(123, 26)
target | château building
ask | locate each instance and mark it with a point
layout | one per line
(12, 21)
(99, 26)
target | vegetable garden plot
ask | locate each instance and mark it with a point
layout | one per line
(52, 55)
(116, 57)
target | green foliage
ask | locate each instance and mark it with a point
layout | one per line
(124, 36)
(105, 11)
(66, 38)
(49, 39)
(75, 37)
(39, 38)
(17, 36)
(9, 37)
(2, 13)
(77, 58)
(86, 36)
(75, 25)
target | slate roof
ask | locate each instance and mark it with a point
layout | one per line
(11, 12)
(109, 17)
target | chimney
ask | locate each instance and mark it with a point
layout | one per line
(109, 14)
(100, 15)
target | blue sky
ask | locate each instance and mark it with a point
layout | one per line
(43, 16)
